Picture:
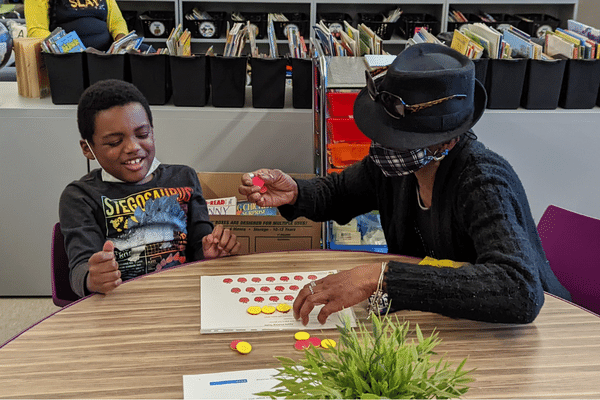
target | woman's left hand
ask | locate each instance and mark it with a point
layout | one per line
(220, 243)
(337, 291)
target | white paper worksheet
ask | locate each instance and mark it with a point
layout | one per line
(225, 299)
(229, 385)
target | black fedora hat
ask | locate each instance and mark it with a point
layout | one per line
(428, 95)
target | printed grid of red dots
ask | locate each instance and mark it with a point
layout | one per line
(268, 292)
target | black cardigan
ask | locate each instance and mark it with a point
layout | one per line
(480, 215)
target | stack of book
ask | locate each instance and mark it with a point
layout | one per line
(179, 42)
(61, 42)
(352, 42)
(579, 41)
(479, 40)
(131, 41)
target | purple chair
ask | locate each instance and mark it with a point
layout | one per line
(62, 294)
(571, 242)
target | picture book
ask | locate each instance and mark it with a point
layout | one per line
(69, 43)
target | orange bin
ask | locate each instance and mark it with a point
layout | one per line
(345, 130)
(342, 155)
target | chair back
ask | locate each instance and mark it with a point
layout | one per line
(572, 245)
(62, 294)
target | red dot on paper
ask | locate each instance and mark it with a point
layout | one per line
(244, 300)
(312, 277)
(270, 279)
(298, 277)
(302, 344)
(259, 299)
(289, 297)
(236, 290)
(265, 289)
(242, 280)
(284, 278)
(294, 287)
(279, 288)
(250, 289)
(274, 298)
(256, 279)
(227, 280)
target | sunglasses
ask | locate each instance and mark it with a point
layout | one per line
(395, 106)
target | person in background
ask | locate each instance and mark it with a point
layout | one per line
(133, 215)
(98, 23)
(442, 195)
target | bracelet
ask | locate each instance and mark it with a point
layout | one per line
(377, 303)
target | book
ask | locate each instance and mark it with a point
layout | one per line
(583, 29)
(521, 47)
(557, 47)
(493, 36)
(222, 206)
(249, 208)
(69, 43)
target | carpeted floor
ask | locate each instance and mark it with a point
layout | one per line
(19, 313)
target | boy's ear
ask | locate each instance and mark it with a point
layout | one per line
(87, 152)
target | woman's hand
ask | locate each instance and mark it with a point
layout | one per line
(281, 189)
(220, 243)
(337, 291)
(103, 270)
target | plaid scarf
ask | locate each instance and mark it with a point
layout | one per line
(399, 163)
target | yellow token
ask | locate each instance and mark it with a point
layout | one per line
(302, 335)
(283, 307)
(327, 343)
(254, 310)
(268, 309)
(243, 347)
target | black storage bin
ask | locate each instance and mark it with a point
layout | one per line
(543, 81)
(335, 22)
(297, 21)
(471, 19)
(150, 73)
(375, 21)
(190, 80)
(228, 81)
(206, 28)
(157, 24)
(580, 84)
(302, 82)
(130, 18)
(106, 66)
(503, 21)
(481, 66)
(67, 73)
(268, 82)
(536, 25)
(504, 82)
(256, 19)
(408, 23)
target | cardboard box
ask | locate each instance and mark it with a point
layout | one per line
(259, 234)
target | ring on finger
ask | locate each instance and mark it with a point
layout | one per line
(310, 287)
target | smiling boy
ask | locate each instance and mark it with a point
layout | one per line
(134, 215)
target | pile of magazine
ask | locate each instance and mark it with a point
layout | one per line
(61, 42)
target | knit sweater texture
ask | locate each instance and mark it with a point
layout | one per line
(479, 215)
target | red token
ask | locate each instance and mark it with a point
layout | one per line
(302, 344)
(256, 279)
(284, 279)
(265, 289)
(236, 290)
(242, 280)
(257, 181)
(289, 297)
(233, 344)
(244, 300)
(312, 277)
(227, 280)
(250, 289)
(274, 298)
(298, 277)
(279, 288)
(270, 279)
(294, 287)
(259, 299)
(315, 341)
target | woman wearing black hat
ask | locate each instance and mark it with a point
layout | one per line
(440, 193)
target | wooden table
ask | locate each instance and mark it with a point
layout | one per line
(139, 341)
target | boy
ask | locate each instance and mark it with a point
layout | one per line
(134, 215)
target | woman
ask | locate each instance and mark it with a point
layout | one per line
(97, 22)
(441, 195)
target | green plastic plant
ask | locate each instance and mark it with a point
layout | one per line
(371, 365)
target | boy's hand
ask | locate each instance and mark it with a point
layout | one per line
(220, 243)
(104, 274)
(281, 189)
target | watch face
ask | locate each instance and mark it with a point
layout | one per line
(207, 29)
(541, 31)
(157, 28)
(287, 28)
